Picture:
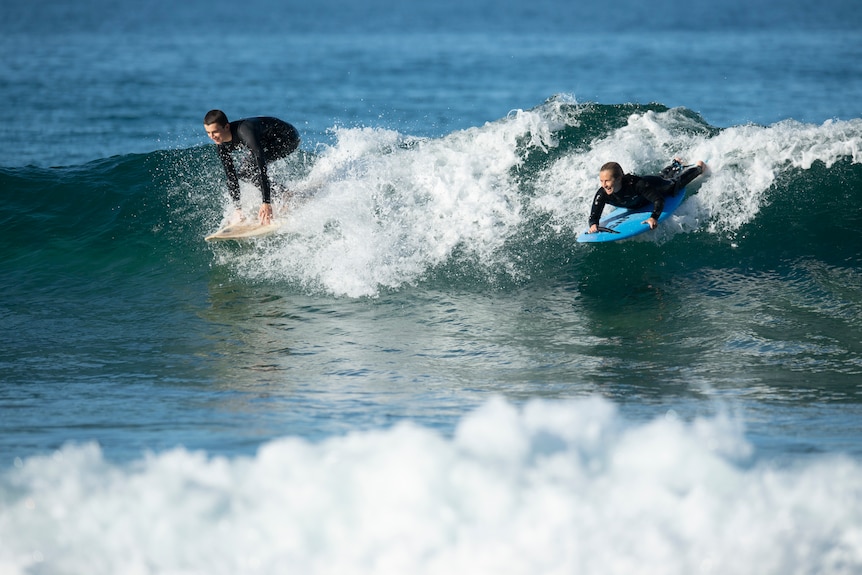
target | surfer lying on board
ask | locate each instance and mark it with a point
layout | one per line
(632, 192)
(267, 139)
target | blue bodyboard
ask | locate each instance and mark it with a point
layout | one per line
(622, 223)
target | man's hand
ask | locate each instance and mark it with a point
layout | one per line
(265, 214)
(651, 222)
(593, 229)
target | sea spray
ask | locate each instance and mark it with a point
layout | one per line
(379, 210)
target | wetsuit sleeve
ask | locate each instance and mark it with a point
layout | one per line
(249, 134)
(598, 207)
(654, 189)
(230, 172)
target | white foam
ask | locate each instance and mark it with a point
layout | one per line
(564, 487)
(388, 208)
(744, 162)
(385, 208)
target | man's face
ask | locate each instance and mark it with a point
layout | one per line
(218, 134)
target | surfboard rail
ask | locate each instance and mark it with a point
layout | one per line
(244, 230)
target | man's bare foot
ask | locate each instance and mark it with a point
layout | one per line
(235, 218)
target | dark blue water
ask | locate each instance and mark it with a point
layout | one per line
(423, 372)
(81, 88)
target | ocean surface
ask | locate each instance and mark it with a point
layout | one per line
(423, 372)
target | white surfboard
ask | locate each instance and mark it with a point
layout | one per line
(244, 230)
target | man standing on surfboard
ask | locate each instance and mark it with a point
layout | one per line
(632, 192)
(266, 138)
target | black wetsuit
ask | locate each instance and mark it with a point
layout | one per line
(639, 191)
(268, 139)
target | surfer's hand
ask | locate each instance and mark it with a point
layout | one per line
(651, 222)
(265, 214)
(593, 229)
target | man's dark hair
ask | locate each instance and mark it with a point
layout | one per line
(215, 117)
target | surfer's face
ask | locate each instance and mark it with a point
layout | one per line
(609, 183)
(218, 134)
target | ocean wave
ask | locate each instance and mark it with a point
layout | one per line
(562, 487)
(380, 210)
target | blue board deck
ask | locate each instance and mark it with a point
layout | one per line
(622, 223)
